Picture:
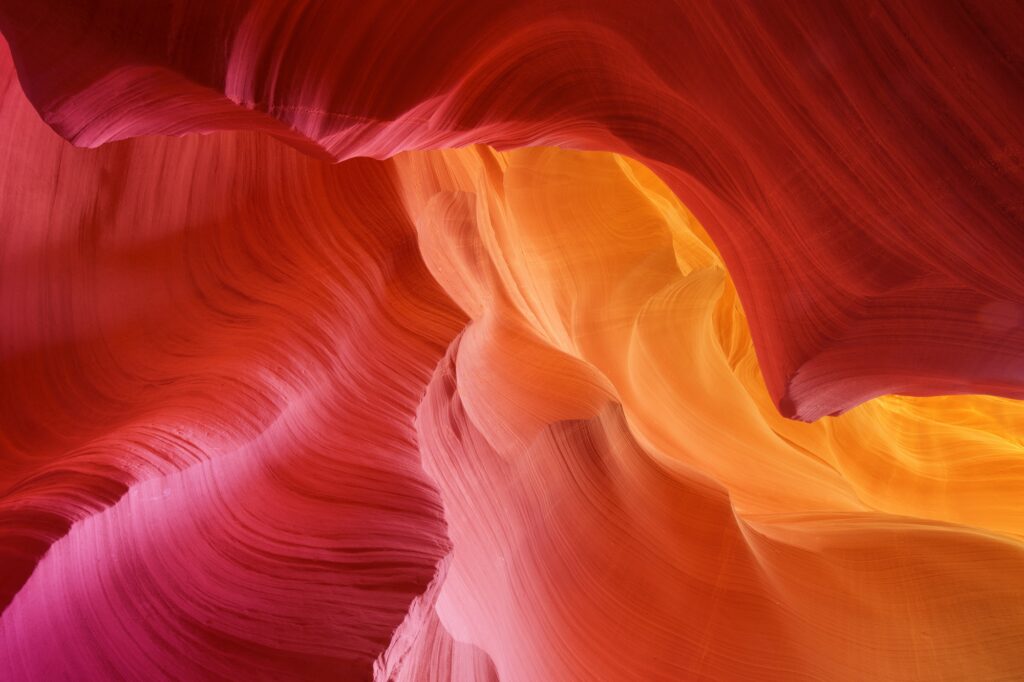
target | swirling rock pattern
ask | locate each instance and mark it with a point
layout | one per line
(668, 523)
(852, 161)
(210, 467)
(476, 414)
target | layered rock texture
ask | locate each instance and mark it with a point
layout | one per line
(530, 341)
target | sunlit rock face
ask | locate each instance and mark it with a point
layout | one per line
(650, 343)
(618, 484)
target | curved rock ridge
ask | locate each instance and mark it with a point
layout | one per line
(857, 163)
(477, 415)
(212, 353)
(588, 282)
(624, 501)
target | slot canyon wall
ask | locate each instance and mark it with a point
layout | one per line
(530, 341)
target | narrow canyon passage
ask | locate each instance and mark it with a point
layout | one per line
(550, 341)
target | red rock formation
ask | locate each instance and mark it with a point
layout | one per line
(858, 165)
(474, 415)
